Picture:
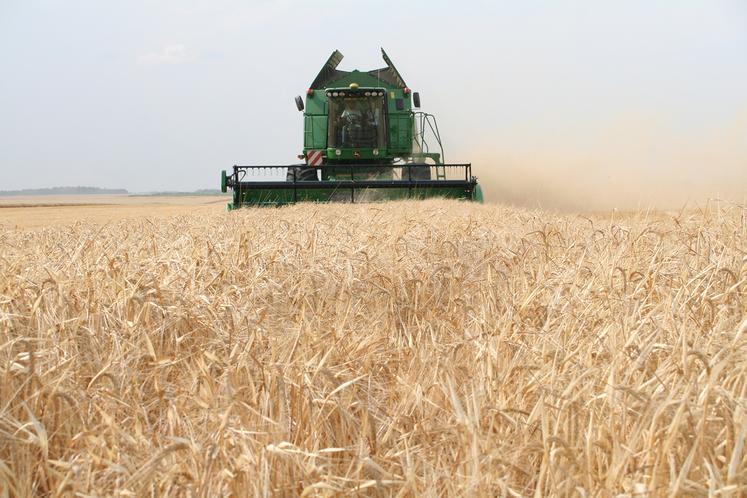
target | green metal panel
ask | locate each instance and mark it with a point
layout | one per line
(348, 155)
(320, 132)
(308, 132)
(400, 133)
(315, 121)
(315, 132)
(316, 103)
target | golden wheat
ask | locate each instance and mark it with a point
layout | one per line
(409, 348)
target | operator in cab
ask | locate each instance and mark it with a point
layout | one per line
(358, 124)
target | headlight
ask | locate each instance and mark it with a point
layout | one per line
(376, 152)
(335, 94)
(338, 152)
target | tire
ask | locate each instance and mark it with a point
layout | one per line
(303, 173)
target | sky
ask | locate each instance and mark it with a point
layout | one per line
(560, 104)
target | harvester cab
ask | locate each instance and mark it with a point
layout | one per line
(363, 141)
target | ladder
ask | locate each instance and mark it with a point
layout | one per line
(441, 172)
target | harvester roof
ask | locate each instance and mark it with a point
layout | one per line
(330, 74)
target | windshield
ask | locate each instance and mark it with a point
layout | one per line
(356, 122)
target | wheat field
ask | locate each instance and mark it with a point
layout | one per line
(431, 348)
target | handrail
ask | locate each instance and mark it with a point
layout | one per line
(430, 120)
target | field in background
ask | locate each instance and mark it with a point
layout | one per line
(411, 348)
(32, 212)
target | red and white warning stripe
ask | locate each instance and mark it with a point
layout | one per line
(314, 158)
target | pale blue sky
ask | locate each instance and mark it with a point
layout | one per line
(163, 95)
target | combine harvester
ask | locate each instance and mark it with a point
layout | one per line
(362, 142)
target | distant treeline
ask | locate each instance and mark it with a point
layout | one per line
(63, 191)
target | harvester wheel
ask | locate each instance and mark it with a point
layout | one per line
(303, 174)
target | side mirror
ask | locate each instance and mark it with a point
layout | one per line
(416, 99)
(299, 103)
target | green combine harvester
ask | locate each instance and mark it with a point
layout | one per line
(363, 142)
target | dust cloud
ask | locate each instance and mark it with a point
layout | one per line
(634, 163)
